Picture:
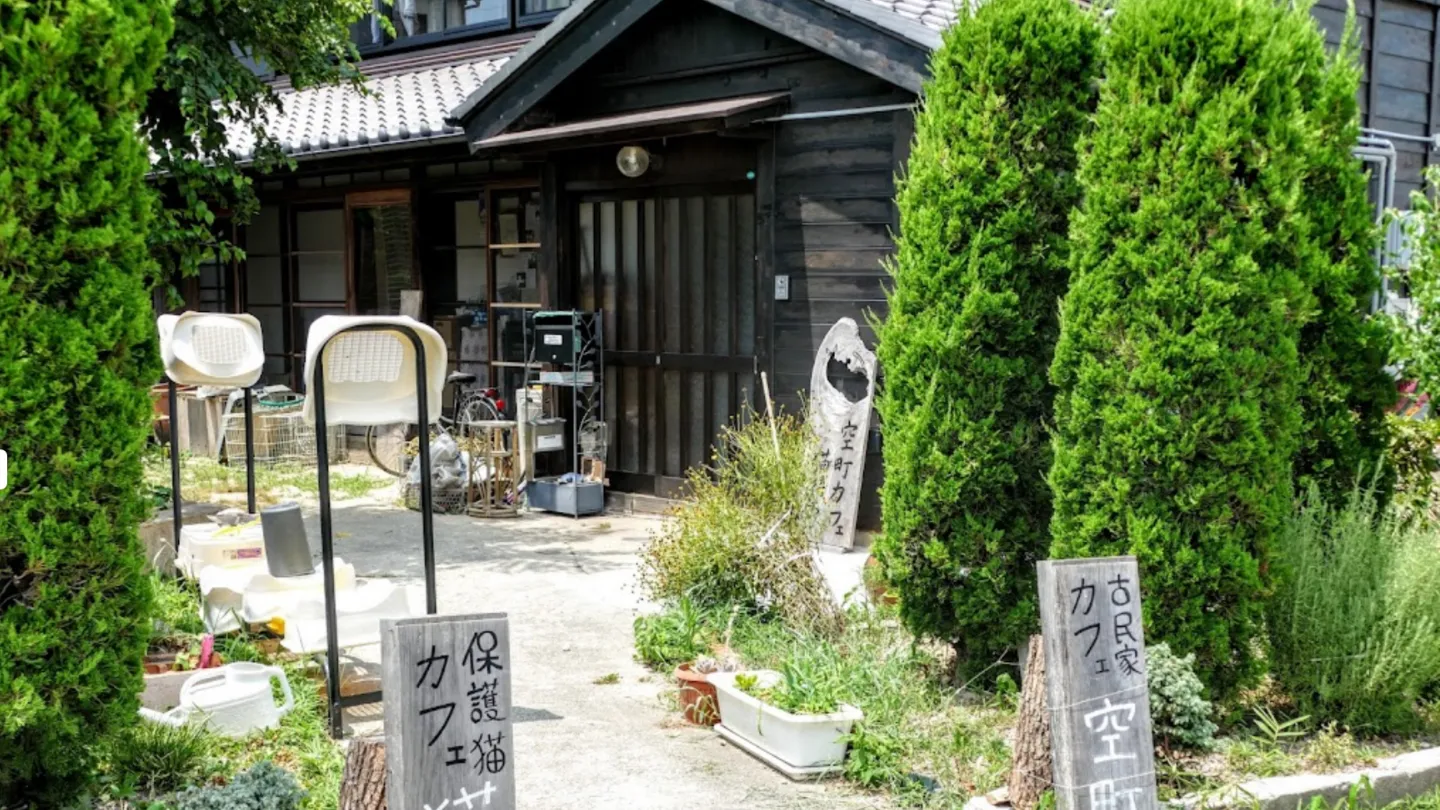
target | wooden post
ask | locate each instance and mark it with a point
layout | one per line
(1030, 771)
(1102, 756)
(363, 787)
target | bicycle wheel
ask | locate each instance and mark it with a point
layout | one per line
(386, 446)
(476, 408)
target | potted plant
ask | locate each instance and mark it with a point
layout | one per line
(697, 694)
(795, 715)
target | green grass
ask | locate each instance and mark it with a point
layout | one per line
(204, 478)
(608, 679)
(915, 722)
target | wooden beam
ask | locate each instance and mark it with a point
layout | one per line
(533, 75)
(1434, 94)
(765, 212)
(880, 53)
(1373, 88)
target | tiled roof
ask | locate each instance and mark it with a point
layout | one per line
(407, 102)
(933, 14)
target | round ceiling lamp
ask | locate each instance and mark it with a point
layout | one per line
(632, 161)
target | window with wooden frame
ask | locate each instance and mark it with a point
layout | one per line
(514, 256)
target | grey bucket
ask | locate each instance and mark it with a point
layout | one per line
(286, 550)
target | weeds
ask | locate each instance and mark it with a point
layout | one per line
(608, 679)
(204, 479)
(674, 636)
(916, 740)
(746, 535)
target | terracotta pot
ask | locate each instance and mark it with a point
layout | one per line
(697, 696)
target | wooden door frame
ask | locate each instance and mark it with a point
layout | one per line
(379, 198)
(659, 482)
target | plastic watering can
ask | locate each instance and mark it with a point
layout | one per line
(233, 700)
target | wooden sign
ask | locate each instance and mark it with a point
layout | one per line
(447, 713)
(1102, 752)
(843, 426)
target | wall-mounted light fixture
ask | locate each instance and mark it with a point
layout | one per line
(632, 161)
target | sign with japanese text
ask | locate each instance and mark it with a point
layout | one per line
(1102, 751)
(843, 427)
(448, 741)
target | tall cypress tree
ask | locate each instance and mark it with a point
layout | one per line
(1177, 364)
(1342, 348)
(76, 362)
(979, 269)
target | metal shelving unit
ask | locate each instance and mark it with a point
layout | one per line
(566, 350)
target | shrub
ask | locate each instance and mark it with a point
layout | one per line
(1179, 712)
(1413, 456)
(78, 355)
(1355, 619)
(265, 786)
(1417, 338)
(745, 535)
(1176, 367)
(979, 267)
(159, 758)
(1343, 351)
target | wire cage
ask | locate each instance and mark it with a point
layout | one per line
(443, 501)
(281, 436)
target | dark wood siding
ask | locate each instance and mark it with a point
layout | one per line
(1400, 91)
(824, 186)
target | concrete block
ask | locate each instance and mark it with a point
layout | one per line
(1392, 779)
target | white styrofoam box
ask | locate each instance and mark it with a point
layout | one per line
(358, 612)
(210, 544)
(211, 348)
(231, 597)
(800, 740)
(370, 375)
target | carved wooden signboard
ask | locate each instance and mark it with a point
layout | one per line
(447, 713)
(1103, 755)
(843, 425)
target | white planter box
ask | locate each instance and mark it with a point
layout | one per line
(798, 740)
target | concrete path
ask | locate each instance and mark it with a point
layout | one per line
(569, 589)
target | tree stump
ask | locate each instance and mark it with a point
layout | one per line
(1030, 772)
(363, 787)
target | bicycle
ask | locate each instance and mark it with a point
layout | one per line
(387, 445)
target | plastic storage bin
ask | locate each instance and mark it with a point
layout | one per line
(207, 348)
(567, 497)
(370, 375)
(207, 544)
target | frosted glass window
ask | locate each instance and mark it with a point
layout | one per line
(469, 224)
(320, 230)
(320, 277)
(263, 285)
(470, 275)
(272, 328)
(263, 234)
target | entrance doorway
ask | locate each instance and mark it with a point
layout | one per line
(674, 271)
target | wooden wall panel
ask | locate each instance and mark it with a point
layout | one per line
(1401, 87)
